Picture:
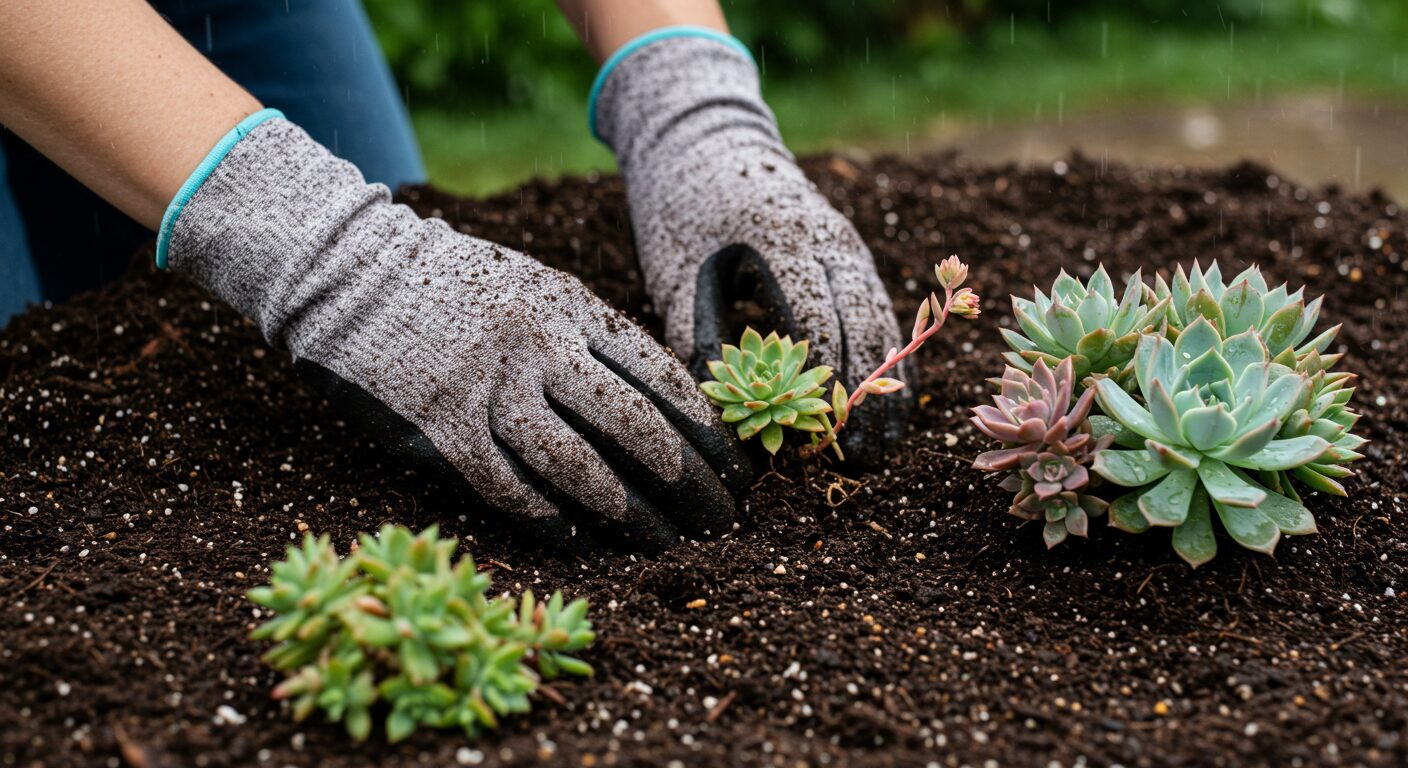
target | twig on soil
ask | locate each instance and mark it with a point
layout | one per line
(551, 694)
(1337, 645)
(134, 754)
(904, 694)
(1235, 636)
(39, 578)
(772, 472)
(846, 486)
(966, 460)
(719, 708)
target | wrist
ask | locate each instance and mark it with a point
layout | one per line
(280, 225)
(200, 174)
(676, 54)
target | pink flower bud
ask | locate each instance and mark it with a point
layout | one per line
(951, 272)
(965, 304)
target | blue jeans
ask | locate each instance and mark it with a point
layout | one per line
(316, 60)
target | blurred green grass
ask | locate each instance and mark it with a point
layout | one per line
(1016, 72)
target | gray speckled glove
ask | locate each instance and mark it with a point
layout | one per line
(555, 407)
(720, 208)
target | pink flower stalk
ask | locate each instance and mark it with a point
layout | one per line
(930, 317)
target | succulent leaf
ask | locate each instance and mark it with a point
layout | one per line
(1249, 526)
(1129, 468)
(1225, 487)
(1194, 540)
(1126, 515)
(1167, 503)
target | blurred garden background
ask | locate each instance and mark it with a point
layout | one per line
(1318, 88)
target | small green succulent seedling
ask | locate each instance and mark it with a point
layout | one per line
(1046, 447)
(397, 623)
(1084, 323)
(762, 388)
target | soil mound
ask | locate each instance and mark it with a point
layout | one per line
(155, 455)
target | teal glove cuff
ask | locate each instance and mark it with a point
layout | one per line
(655, 35)
(199, 175)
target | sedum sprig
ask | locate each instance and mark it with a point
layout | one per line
(929, 318)
(762, 387)
(397, 622)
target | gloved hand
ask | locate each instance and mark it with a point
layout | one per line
(455, 350)
(718, 205)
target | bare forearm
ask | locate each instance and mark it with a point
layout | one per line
(113, 95)
(606, 25)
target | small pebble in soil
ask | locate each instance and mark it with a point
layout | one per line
(228, 715)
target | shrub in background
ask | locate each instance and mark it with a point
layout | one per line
(397, 622)
(482, 55)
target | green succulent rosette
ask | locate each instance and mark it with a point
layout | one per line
(763, 389)
(1211, 425)
(1283, 318)
(1084, 323)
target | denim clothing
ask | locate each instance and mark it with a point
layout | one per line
(315, 60)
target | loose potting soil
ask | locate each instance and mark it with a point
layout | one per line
(155, 456)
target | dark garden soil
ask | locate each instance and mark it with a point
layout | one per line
(155, 455)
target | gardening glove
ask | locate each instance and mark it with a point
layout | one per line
(554, 407)
(721, 210)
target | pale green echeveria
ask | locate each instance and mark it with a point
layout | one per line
(1085, 323)
(1212, 416)
(762, 388)
(1324, 411)
(1283, 318)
